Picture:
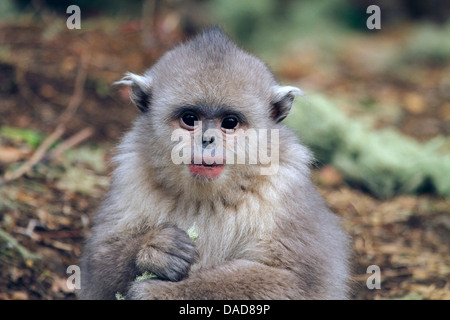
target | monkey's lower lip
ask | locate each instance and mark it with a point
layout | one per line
(206, 171)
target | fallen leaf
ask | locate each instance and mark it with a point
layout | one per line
(414, 103)
(12, 154)
(444, 111)
(19, 295)
(329, 176)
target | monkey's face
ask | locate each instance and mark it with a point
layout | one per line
(213, 135)
(208, 138)
(211, 113)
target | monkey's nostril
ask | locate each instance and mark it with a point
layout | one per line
(208, 139)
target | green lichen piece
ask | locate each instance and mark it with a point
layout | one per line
(145, 276)
(193, 233)
(119, 296)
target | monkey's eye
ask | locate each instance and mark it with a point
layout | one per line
(229, 123)
(189, 119)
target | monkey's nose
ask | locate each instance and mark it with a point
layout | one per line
(207, 139)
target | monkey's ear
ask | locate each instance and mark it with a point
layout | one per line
(283, 97)
(140, 89)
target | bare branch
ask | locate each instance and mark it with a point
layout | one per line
(74, 140)
(74, 103)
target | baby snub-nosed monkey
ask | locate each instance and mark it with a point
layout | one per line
(209, 152)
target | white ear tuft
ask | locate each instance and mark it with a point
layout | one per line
(282, 98)
(280, 92)
(140, 89)
(131, 78)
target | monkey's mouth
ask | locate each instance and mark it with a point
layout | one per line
(206, 171)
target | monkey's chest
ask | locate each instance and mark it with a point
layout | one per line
(225, 233)
(229, 236)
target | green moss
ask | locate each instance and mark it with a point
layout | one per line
(385, 162)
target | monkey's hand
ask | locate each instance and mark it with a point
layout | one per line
(168, 252)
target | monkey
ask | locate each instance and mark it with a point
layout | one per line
(261, 234)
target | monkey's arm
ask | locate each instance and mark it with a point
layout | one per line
(237, 279)
(108, 266)
(111, 264)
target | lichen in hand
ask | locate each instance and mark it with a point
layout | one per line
(193, 235)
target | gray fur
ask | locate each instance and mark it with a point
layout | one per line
(260, 236)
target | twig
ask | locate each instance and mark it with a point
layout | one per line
(37, 156)
(71, 142)
(26, 255)
(386, 274)
(72, 107)
(78, 92)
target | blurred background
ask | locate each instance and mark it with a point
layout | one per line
(376, 115)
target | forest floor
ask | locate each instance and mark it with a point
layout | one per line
(46, 213)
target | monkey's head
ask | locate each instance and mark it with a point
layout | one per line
(206, 108)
